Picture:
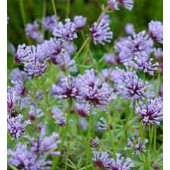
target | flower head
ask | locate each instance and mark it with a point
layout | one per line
(131, 87)
(156, 31)
(126, 3)
(151, 112)
(129, 29)
(30, 56)
(58, 116)
(45, 144)
(16, 127)
(24, 159)
(17, 75)
(94, 143)
(121, 163)
(101, 160)
(67, 87)
(112, 4)
(136, 145)
(49, 23)
(66, 32)
(32, 31)
(94, 91)
(144, 63)
(100, 32)
(79, 22)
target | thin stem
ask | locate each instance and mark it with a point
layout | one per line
(154, 138)
(150, 135)
(89, 136)
(68, 8)
(44, 8)
(81, 48)
(67, 154)
(54, 9)
(111, 138)
(22, 12)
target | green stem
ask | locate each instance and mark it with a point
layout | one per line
(55, 161)
(44, 8)
(154, 138)
(81, 48)
(67, 154)
(54, 9)
(22, 12)
(150, 135)
(89, 136)
(68, 8)
(111, 139)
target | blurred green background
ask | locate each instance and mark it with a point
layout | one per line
(142, 13)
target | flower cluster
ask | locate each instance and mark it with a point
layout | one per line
(103, 161)
(151, 112)
(100, 32)
(66, 92)
(136, 145)
(35, 157)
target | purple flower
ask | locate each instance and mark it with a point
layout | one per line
(32, 32)
(35, 112)
(151, 112)
(139, 44)
(16, 127)
(49, 23)
(136, 145)
(121, 46)
(34, 63)
(17, 75)
(101, 160)
(45, 144)
(131, 87)
(156, 31)
(79, 22)
(24, 159)
(22, 52)
(94, 143)
(66, 32)
(100, 32)
(129, 29)
(94, 91)
(121, 163)
(67, 87)
(127, 4)
(144, 63)
(58, 116)
(158, 54)
(59, 54)
(19, 88)
(110, 58)
(11, 98)
(112, 4)
(65, 62)
(106, 18)
(83, 109)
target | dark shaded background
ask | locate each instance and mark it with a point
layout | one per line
(142, 13)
